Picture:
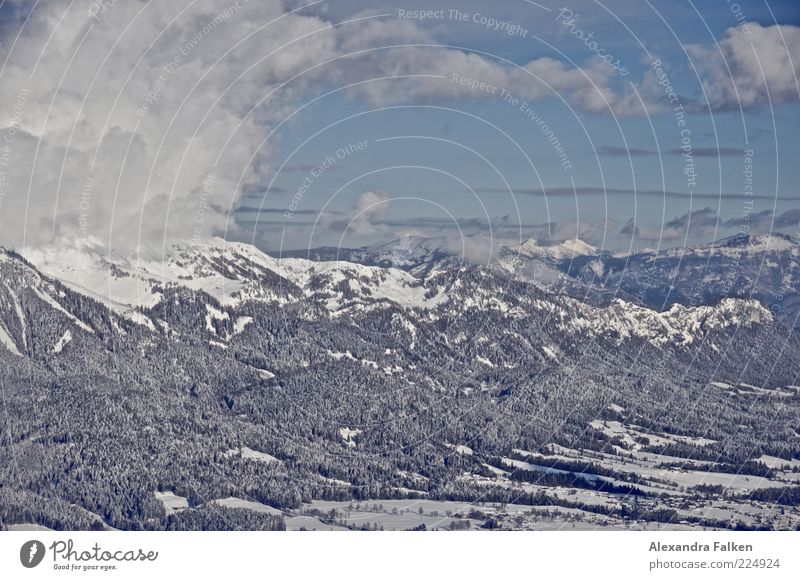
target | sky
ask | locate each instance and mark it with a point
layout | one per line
(293, 124)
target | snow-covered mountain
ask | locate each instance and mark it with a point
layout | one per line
(238, 276)
(760, 267)
(26, 294)
(213, 370)
(232, 273)
(568, 249)
(219, 294)
(229, 272)
(410, 252)
(764, 267)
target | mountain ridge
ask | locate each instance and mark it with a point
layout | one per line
(393, 383)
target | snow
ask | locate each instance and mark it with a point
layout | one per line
(368, 283)
(779, 463)
(335, 482)
(248, 453)
(172, 503)
(340, 355)
(241, 323)
(348, 355)
(567, 249)
(139, 318)
(135, 281)
(723, 386)
(417, 477)
(214, 314)
(756, 246)
(197, 266)
(484, 361)
(8, 342)
(412, 330)
(408, 491)
(52, 302)
(235, 502)
(82, 267)
(495, 470)
(577, 247)
(18, 312)
(612, 429)
(733, 481)
(65, 339)
(347, 435)
(752, 390)
(550, 353)
(762, 243)
(658, 473)
(525, 466)
(234, 272)
(679, 326)
(398, 514)
(28, 528)
(308, 523)
(630, 433)
(460, 449)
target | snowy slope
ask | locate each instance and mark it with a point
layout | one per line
(236, 274)
(231, 272)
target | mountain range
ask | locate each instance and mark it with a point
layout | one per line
(211, 385)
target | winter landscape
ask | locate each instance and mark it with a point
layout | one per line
(356, 266)
(225, 388)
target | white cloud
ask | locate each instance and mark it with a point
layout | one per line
(128, 113)
(369, 206)
(752, 66)
(445, 73)
(140, 93)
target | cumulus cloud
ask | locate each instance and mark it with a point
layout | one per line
(595, 232)
(752, 66)
(424, 74)
(128, 128)
(369, 206)
(691, 225)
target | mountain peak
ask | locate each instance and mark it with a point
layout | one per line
(772, 242)
(567, 249)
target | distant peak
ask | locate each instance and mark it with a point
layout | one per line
(566, 249)
(774, 241)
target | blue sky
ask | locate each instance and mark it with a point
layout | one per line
(428, 143)
(295, 124)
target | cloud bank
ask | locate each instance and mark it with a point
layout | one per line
(752, 65)
(141, 121)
